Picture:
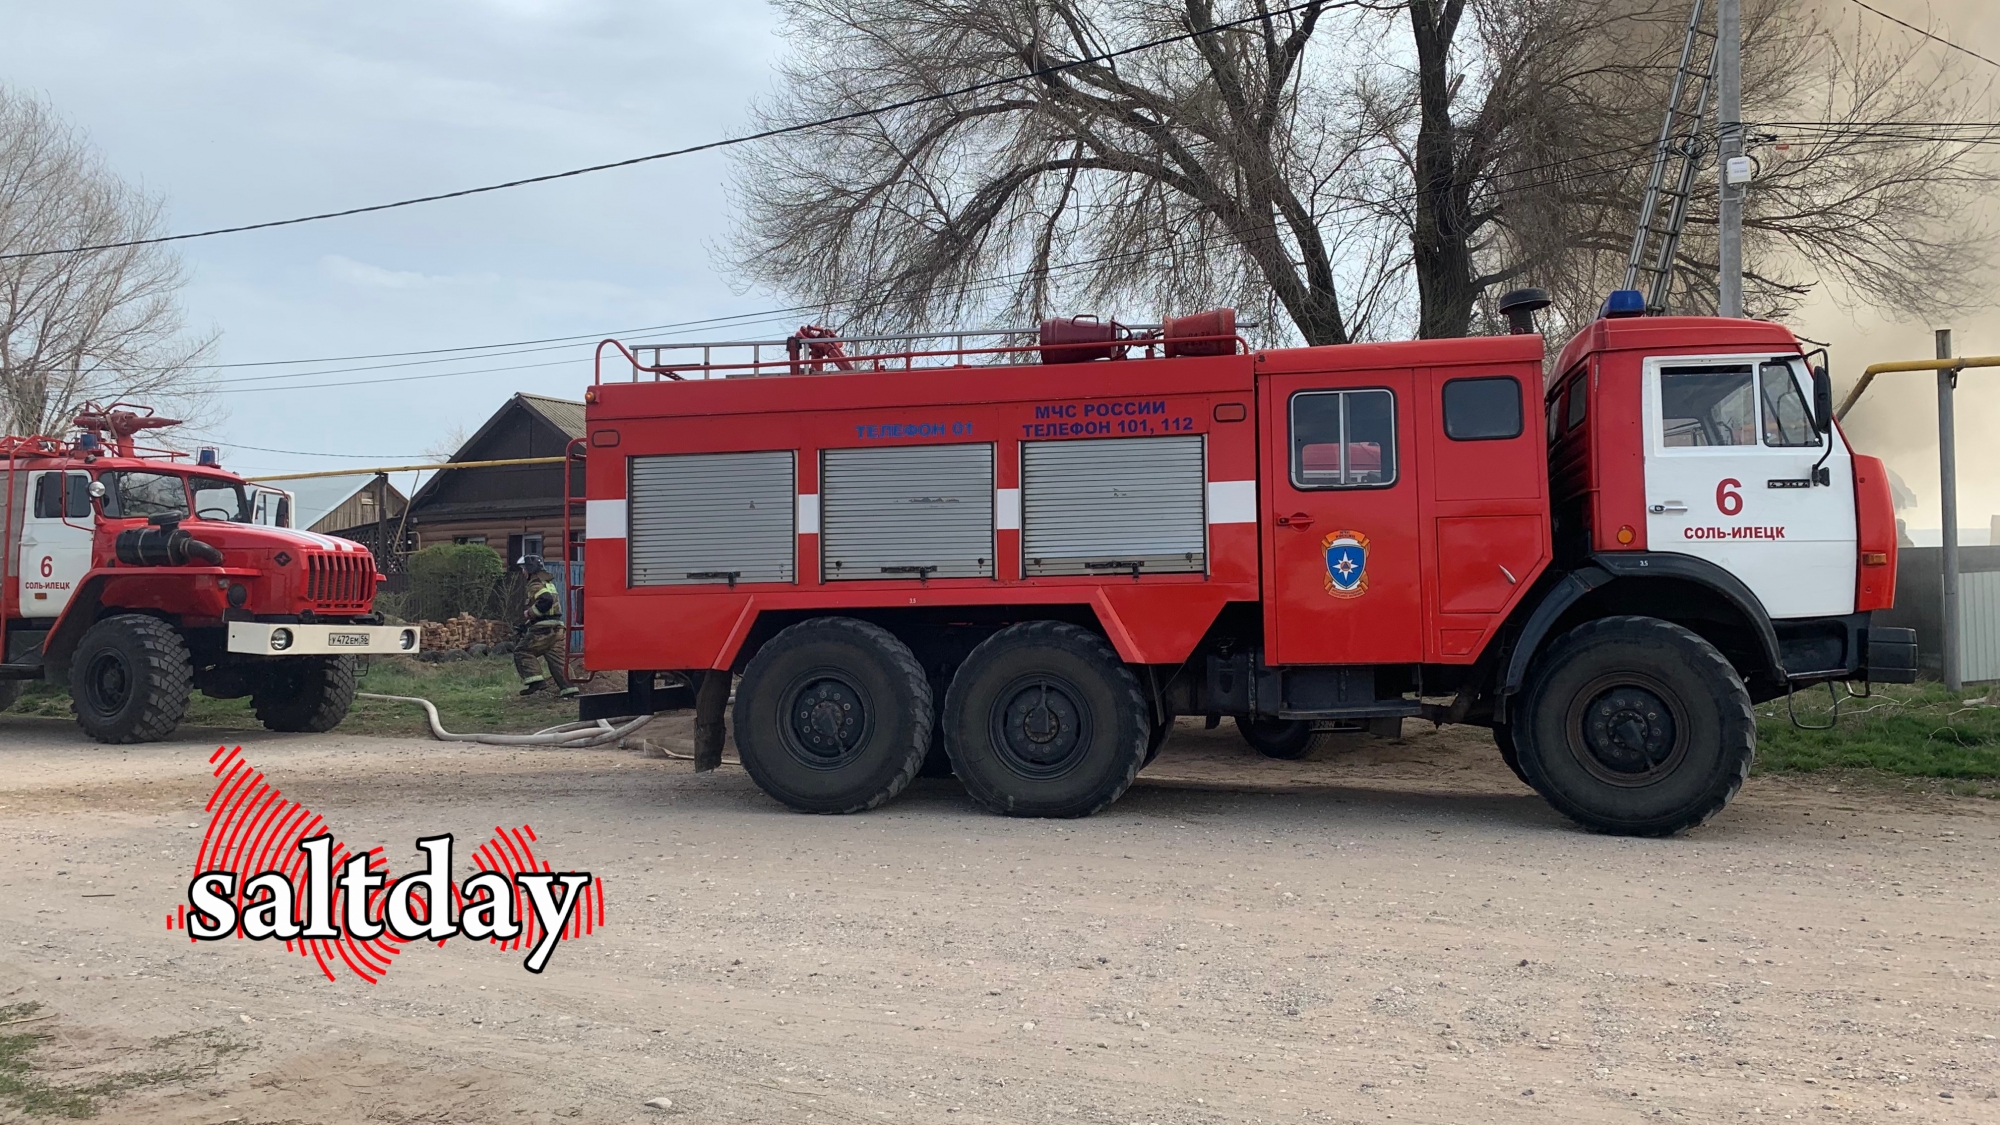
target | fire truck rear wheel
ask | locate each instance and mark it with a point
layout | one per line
(833, 715)
(1287, 740)
(1043, 720)
(303, 694)
(1503, 737)
(1636, 726)
(1163, 729)
(130, 678)
(10, 692)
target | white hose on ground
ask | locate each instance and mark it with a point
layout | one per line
(567, 736)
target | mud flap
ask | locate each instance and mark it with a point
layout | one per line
(710, 702)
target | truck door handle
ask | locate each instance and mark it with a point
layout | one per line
(1668, 506)
(1300, 520)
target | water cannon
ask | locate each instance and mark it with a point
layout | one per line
(120, 424)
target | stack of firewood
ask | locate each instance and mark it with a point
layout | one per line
(463, 631)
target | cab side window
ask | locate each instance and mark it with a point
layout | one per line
(48, 496)
(1344, 439)
(1707, 406)
(1487, 409)
(1788, 420)
(62, 496)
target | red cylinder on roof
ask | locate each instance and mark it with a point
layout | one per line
(1076, 339)
(1203, 333)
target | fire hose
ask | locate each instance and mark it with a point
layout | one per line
(566, 736)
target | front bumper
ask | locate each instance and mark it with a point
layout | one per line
(259, 639)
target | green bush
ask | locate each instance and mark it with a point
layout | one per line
(454, 578)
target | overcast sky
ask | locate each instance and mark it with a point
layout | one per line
(234, 111)
(237, 111)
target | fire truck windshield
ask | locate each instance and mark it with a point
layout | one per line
(136, 495)
(216, 499)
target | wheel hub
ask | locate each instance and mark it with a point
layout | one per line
(1043, 730)
(110, 684)
(827, 721)
(1627, 733)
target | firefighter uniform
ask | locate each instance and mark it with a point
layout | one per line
(541, 643)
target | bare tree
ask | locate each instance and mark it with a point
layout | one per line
(1359, 169)
(1870, 150)
(102, 325)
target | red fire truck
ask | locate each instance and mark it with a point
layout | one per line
(135, 578)
(1022, 562)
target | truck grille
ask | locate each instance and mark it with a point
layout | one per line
(343, 582)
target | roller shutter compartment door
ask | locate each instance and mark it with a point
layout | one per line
(706, 518)
(921, 511)
(1101, 506)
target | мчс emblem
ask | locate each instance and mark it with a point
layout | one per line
(1346, 563)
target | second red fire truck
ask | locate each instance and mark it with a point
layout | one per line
(134, 578)
(1021, 563)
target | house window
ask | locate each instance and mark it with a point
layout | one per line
(462, 540)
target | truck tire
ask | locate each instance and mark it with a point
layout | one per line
(303, 694)
(1635, 726)
(1162, 730)
(833, 715)
(1503, 737)
(1043, 720)
(10, 692)
(1287, 740)
(130, 678)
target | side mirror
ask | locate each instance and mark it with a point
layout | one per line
(1822, 400)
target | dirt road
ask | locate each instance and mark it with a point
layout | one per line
(1396, 932)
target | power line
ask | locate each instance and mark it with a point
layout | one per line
(307, 453)
(978, 285)
(1926, 34)
(643, 335)
(485, 347)
(705, 146)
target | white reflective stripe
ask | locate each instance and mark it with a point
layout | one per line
(1232, 501)
(808, 513)
(1007, 509)
(604, 519)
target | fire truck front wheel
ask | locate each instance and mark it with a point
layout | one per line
(130, 678)
(1636, 726)
(303, 694)
(833, 715)
(1043, 720)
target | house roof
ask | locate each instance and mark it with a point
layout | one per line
(314, 498)
(562, 414)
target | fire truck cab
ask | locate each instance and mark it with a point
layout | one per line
(135, 578)
(1019, 564)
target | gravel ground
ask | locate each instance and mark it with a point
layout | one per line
(1392, 931)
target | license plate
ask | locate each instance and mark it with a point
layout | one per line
(347, 640)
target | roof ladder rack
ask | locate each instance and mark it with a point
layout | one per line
(1683, 145)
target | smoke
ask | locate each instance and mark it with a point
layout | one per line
(1897, 419)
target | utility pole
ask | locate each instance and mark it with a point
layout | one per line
(1734, 166)
(1947, 379)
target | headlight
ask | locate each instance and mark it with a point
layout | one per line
(409, 638)
(281, 639)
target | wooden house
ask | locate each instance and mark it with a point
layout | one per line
(515, 509)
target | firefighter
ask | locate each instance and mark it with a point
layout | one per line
(541, 640)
